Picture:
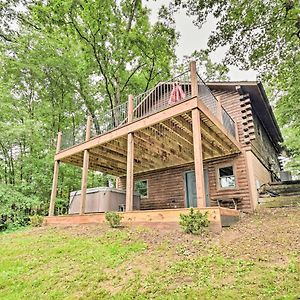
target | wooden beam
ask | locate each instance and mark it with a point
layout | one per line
(129, 174)
(198, 159)
(130, 109)
(55, 177)
(165, 114)
(194, 81)
(234, 144)
(219, 109)
(211, 139)
(165, 142)
(85, 168)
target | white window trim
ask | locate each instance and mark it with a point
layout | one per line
(217, 175)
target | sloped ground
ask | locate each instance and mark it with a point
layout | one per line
(258, 258)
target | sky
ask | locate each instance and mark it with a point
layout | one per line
(188, 43)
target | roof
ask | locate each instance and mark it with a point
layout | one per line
(259, 102)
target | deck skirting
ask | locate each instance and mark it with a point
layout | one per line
(166, 218)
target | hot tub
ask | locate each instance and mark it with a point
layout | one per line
(102, 199)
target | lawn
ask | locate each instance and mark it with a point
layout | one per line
(258, 258)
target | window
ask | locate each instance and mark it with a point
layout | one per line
(226, 177)
(141, 187)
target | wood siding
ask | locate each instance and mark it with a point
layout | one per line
(166, 188)
(263, 148)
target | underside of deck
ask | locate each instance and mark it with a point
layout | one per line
(168, 218)
(161, 140)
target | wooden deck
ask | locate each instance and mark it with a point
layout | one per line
(162, 140)
(179, 134)
(168, 218)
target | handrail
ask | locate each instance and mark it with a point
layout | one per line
(228, 122)
(161, 96)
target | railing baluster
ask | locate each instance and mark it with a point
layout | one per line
(152, 101)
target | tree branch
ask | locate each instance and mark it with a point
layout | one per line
(130, 76)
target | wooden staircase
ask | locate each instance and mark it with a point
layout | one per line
(280, 194)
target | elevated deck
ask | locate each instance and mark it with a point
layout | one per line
(163, 139)
(176, 123)
(168, 218)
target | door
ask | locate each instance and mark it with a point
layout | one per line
(190, 188)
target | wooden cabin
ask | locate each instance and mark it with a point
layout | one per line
(184, 143)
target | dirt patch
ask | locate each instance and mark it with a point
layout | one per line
(271, 235)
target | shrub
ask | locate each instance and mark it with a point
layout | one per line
(36, 220)
(15, 207)
(195, 222)
(113, 219)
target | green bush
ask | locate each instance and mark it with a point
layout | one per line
(113, 219)
(36, 221)
(15, 208)
(195, 222)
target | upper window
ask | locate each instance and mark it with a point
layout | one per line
(226, 177)
(141, 187)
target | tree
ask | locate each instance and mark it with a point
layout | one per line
(62, 60)
(265, 36)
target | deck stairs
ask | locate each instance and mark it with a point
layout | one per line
(280, 194)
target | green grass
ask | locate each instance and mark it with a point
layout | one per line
(104, 263)
(55, 265)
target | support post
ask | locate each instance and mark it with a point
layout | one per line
(130, 160)
(55, 177)
(219, 109)
(198, 158)
(129, 175)
(85, 168)
(130, 109)
(194, 81)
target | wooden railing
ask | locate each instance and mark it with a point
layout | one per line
(163, 95)
(228, 122)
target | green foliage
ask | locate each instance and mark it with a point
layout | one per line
(36, 220)
(195, 222)
(15, 208)
(62, 60)
(113, 218)
(52, 255)
(207, 69)
(264, 36)
(190, 267)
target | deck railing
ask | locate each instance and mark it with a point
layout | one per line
(109, 119)
(207, 97)
(163, 95)
(73, 136)
(228, 122)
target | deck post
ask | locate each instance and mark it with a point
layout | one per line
(130, 109)
(85, 167)
(198, 158)
(219, 109)
(130, 159)
(194, 81)
(55, 177)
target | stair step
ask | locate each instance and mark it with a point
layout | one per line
(280, 201)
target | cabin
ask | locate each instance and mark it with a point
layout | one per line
(184, 143)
